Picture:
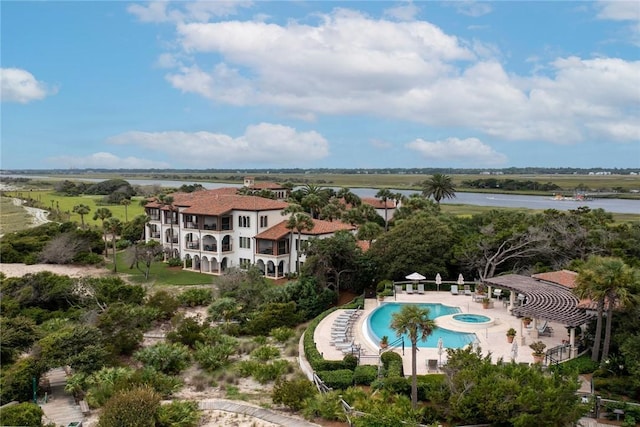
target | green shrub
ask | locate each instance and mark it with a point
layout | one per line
(397, 385)
(166, 303)
(341, 379)
(174, 262)
(282, 334)
(265, 353)
(582, 364)
(22, 414)
(179, 414)
(212, 357)
(324, 405)
(131, 408)
(432, 388)
(365, 374)
(264, 372)
(350, 361)
(392, 363)
(16, 380)
(163, 384)
(196, 297)
(169, 358)
(293, 393)
(188, 331)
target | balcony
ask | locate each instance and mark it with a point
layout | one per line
(174, 240)
(154, 235)
(211, 248)
(154, 217)
(210, 226)
(193, 245)
(227, 248)
(189, 224)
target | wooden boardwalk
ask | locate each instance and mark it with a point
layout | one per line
(60, 407)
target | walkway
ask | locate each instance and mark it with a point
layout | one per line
(60, 408)
(253, 411)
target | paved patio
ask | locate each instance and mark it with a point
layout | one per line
(490, 339)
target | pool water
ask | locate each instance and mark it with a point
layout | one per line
(471, 318)
(379, 322)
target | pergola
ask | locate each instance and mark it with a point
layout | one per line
(543, 300)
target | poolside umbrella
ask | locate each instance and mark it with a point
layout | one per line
(415, 277)
(440, 349)
(460, 279)
(438, 281)
(514, 351)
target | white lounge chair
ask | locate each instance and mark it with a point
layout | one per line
(409, 288)
(454, 289)
(421, 288)
(497, 293)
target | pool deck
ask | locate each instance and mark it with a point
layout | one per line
(490, 338)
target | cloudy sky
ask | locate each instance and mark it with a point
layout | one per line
(371, 84)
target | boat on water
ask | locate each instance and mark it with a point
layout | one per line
(579, 197)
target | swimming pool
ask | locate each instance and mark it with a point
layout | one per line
(471, 318)
(379, 321)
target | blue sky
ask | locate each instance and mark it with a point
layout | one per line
(309, 84)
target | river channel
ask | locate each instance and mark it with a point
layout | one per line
(476, 199)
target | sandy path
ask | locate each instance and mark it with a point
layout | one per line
(39, 216)
(19, 270)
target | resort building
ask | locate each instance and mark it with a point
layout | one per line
(213, 230)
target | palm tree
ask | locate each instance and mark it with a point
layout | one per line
(125, 203)
(413, 321)
(348, 196)
(385, 194)
(82, 210)
(369, 231)
(607, 281)
(299, 221)
(439, 186)
(331, 211)
(113, 226)
(102, 214)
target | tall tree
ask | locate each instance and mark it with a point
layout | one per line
(82, 210)
(125, 202)
(299, 222)
(608, 282)
(384, 195)
(114, 227)
(348, 196)
(439, 186)
(413, 321)
(103, 214)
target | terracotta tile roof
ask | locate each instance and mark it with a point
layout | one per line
(219, 201)
(267, 186)
(320, 227)
(564, 278)
(364, 245)
(276, 232)
(379, 204)
(327, 227)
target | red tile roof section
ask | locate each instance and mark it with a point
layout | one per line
(219, 201)
(320, 227)
(379, 204)
(564, 278)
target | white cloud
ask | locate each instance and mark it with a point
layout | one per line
(406, 12)
(469, 150)
(617, 10)
(265, 143)
(198, 11)
(350, 63)
(472, 8)
(105, 160)
(21, 86)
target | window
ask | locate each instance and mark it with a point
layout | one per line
(245, 242)
(264, 221)
(245, 263)
(244, 221)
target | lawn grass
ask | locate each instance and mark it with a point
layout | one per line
(51, 200)
(160, 274)
(12, 217)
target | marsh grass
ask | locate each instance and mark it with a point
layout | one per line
(12, 217)
(51, 200)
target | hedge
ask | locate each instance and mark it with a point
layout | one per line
(365, 374)
(338, 380)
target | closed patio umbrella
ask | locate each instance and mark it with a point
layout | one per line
(440, 349)
(460, 279)
(514, 351)
(438, 281)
